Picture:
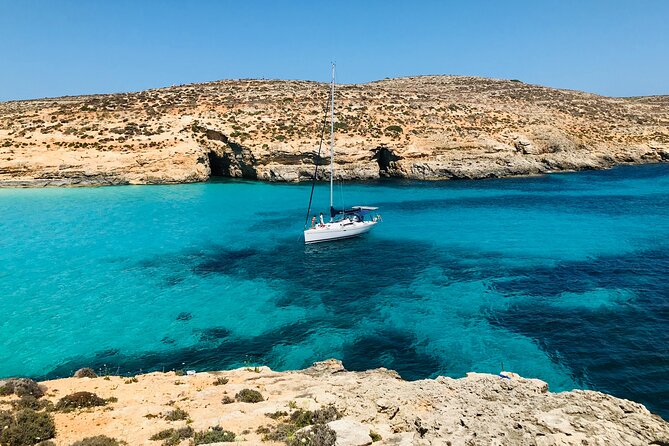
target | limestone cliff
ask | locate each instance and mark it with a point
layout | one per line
(375, 405)
(430, 127)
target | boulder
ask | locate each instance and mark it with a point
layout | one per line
(327, 367)
(85, 372)
(350, 432)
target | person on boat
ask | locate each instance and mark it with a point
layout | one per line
(322, 222)
(313, 222)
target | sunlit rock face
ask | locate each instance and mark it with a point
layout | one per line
(430, 127)
(360, 408)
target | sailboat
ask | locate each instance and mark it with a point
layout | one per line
(344, 223)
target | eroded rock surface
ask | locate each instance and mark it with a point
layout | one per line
(478, 409)
(430, 127)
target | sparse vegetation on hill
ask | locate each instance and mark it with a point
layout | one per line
(436, 126)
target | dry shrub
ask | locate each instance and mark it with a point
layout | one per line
(99, 440)
(249, 396)
(79, 400)
(316, 435)
(21, 387)
(26, 428)
(176, 415)
(173, 437)
(214, 435)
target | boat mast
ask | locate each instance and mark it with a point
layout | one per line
(332, 88)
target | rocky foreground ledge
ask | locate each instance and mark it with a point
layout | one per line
(321, 405)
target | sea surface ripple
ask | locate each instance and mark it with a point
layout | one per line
(560, 277)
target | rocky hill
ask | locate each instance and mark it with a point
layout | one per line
(430, 127)
(323, 405)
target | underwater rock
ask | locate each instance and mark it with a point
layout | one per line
(184, 316)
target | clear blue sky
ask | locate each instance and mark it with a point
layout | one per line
(54, 48)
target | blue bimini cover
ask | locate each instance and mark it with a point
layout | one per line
(355, 210)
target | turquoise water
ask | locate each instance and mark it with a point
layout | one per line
(561, 277)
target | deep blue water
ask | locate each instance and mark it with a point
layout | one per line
(562, 277)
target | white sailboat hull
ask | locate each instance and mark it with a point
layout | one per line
(338, 230)
(352, 223)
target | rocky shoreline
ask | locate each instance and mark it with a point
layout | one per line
(422, 128)
(325, 404)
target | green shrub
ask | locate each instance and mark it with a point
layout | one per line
(6, 418)
(276, 415)
(173, 437)
(317, 435)
(162, 435)
(79, 400)
(221, 381)
(249, 396)
(176, 415)
(281, 433)
(325, 414)
(227, 400)
(21, 387)
(394, 129)
(375, 437)
(26, 428)
(301, 418)
(30, 402)
(286, 431)
(263, 430)
(99, 440)
(214, 435)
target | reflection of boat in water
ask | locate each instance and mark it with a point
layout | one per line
(344, 223)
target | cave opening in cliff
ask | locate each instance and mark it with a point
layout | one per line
(386, 158)
(219, 165)
(228, 158)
